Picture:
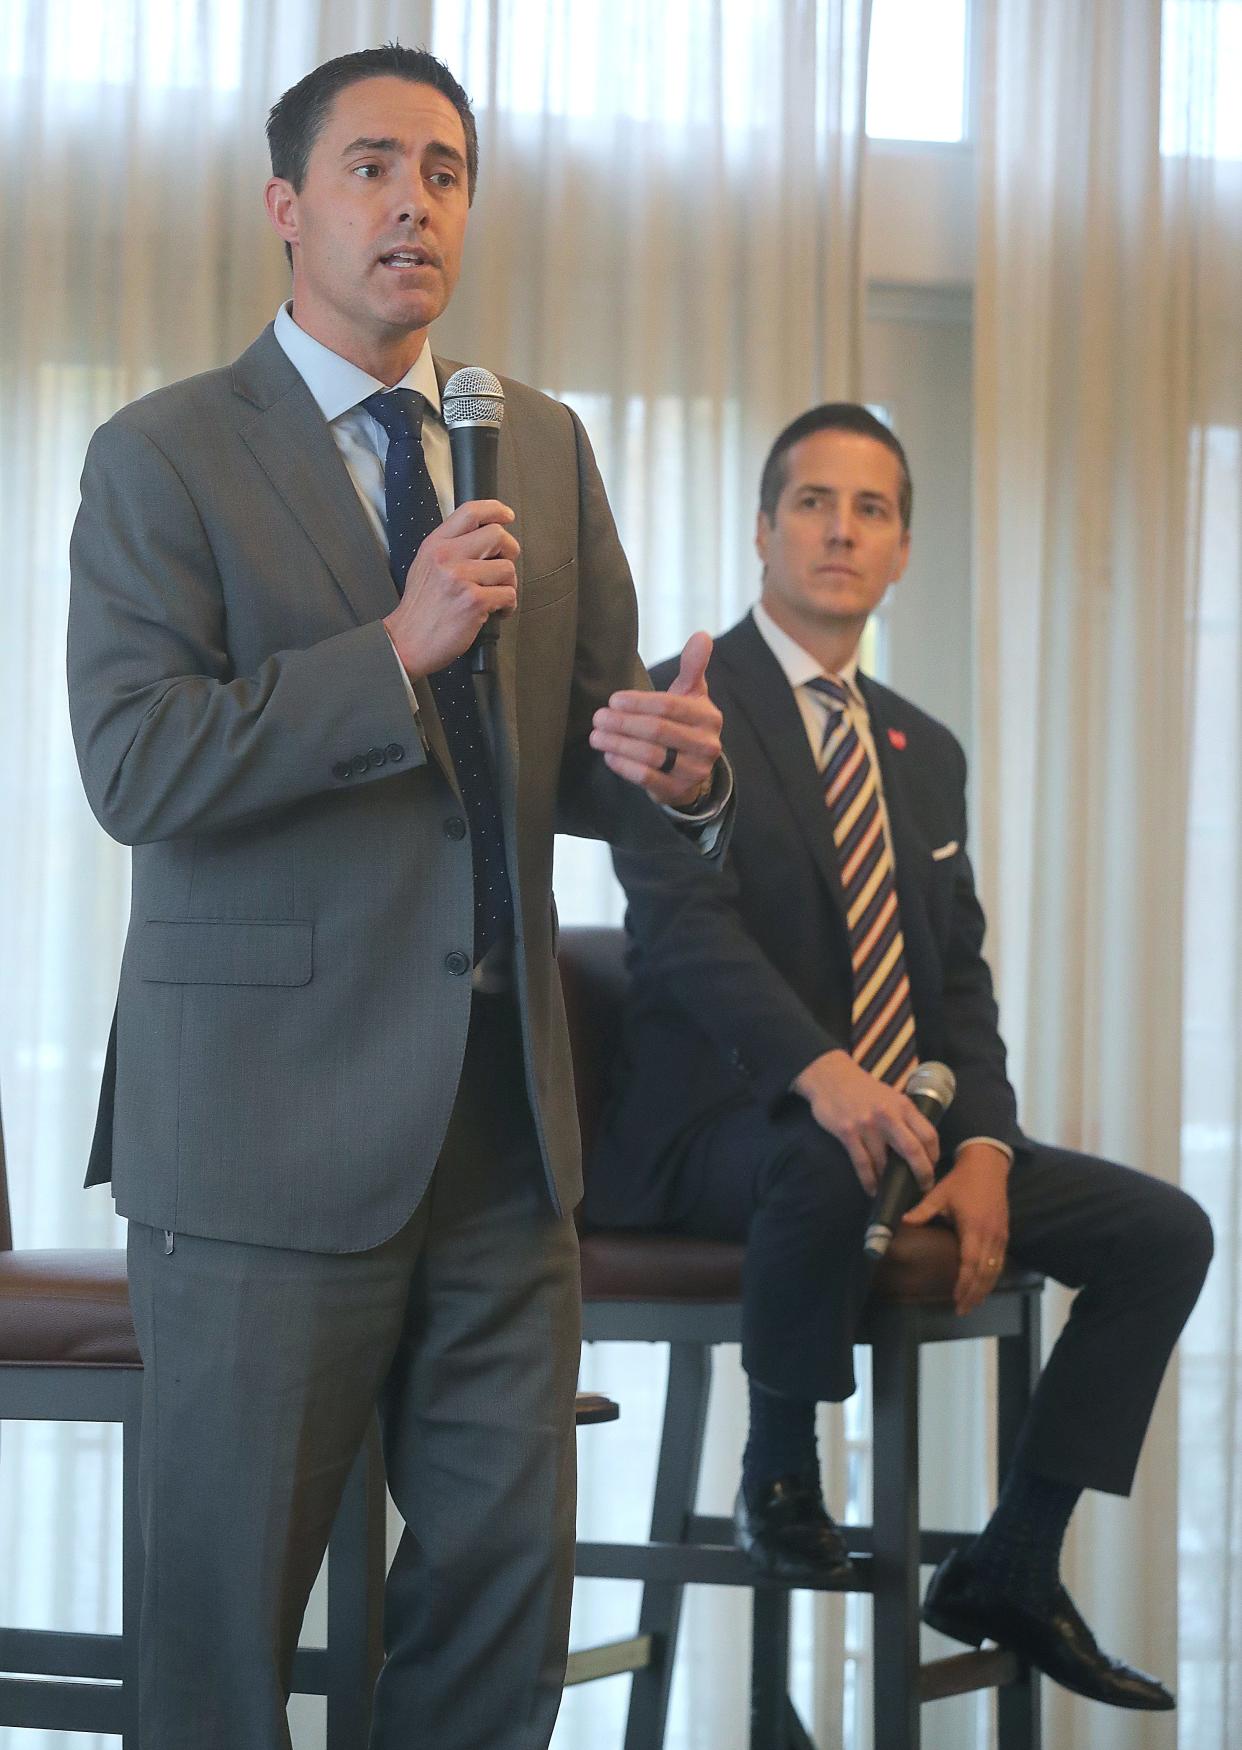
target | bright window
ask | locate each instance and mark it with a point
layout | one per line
(1200, 75)
(916, 74)
(88, 43)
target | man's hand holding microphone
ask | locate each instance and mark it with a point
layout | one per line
(894, 1149)
(869, 1118)
(465, 570)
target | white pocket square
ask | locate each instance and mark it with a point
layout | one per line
(943, 851)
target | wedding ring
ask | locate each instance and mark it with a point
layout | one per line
(669, 760)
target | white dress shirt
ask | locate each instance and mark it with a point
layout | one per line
(338, 387)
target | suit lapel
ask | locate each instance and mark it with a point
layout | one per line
(767, 700)
(910, 852)
(290, 440)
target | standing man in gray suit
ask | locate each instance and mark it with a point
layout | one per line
(337, 1108)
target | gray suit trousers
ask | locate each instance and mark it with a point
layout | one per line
(262, 1369)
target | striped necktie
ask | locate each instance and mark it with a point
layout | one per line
(882, 1039)
(412, 511)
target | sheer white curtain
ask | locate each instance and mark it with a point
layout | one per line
(1202, 141)
(666, 235)
(129, 168)
(1107, 416)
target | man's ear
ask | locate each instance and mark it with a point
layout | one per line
(281, 200)
(763, 533)
(903, 557)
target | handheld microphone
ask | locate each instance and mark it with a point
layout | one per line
(473, 405)
(931, 1088)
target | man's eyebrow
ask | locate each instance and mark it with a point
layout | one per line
(445, 150)
(869, 492)
(435, 148)
(364, 143)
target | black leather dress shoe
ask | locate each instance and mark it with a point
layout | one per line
(1054, 1638)
(789, 1534)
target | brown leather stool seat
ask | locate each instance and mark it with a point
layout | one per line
(636, 1264)
(71, 1309)
(592, 1407)
(67, 1309)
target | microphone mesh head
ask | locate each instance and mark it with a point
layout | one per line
(935, 1081)
(473, 396)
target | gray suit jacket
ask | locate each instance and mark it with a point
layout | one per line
(294, 993)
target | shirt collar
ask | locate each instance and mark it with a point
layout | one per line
(798, 665)
(337, 385)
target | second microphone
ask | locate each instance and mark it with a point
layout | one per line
(931, 1089)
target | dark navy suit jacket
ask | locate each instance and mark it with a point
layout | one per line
(741, 972)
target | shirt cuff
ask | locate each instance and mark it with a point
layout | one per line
(706, 815)
(991, 1141)
(409, 689)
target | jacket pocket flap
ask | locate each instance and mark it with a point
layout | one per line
(211, 951)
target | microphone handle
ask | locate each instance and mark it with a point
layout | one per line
(899, 1189)
(476, 467)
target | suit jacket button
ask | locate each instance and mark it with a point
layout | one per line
(454, 827)
(341, 770)
(376, 757)
(358, 765)
(395, 751)
(457, 963)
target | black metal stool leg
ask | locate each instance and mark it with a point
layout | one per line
(677, 1480)
(895, 1487)
(132, 1560)
(1017, 1373)
(357, 1563)
(769, 1670)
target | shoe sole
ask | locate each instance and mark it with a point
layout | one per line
(956, 1630)
(799, 1576)
(954, 1627)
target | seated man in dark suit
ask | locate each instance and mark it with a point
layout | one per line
(778, 1008)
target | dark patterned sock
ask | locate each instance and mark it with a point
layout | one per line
(1019, 1549)
(781, 1441)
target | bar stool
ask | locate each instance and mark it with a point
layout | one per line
(658, 1288)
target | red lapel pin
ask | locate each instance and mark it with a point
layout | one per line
(897, 737)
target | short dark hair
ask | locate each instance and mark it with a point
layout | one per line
(832, 416)
(297, 118)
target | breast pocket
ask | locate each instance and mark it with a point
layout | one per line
(549, 587)
(225, 951)
(940, 881)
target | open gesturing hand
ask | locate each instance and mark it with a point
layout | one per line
(666, 742)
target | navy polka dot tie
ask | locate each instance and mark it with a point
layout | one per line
(412, 511)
